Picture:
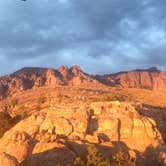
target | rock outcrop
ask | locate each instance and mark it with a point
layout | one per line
(121, 122)
(151, 78)
(28, 78)
(17, 144)
(60, 134)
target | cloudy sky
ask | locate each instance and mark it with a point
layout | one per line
(102, 36)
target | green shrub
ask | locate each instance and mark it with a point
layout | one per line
(114, 97)
(38, 107)
(41, 99)
(78, 162)
(96, 158)
(14, 102)
(5, 122)
(120, 159)
(93, 158)
(60, 97)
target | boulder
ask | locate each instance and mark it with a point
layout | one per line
(17, 144)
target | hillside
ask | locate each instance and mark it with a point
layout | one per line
(29, 78)
(151, 78)
(55, 116)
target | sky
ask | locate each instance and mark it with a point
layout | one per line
(102, 36)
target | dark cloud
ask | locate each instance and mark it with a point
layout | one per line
(101, 36)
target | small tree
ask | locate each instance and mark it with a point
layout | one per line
(41, 100)
(119, 159)
(78, 162)
(38, 107)
(5, 122)
(59, 97)
(93, 158)
(14, 102)
(96, 158)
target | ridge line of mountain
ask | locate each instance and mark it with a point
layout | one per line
(33, 77)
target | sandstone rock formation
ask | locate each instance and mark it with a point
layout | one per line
(28, 78)
(17, 144)
(60, 134)
(120, 122)
(151, 78)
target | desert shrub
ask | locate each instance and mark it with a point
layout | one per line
(5, 108)
(5, 122)
(41, 99)
(38, 107)
(78, 162)
(14, 102)
(121, 159)
(94, 158)
(60, 97)
(147, 87)
(109, 97)
(92, 99)
(114, 97)
(16, 119)
(24, 115)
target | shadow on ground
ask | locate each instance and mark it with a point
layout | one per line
(67, 154)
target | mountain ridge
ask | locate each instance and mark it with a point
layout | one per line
(33, 77)
(51, 114)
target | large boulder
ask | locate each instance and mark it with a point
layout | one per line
(70, 122)
(61, 133)
(17, 144)
(121, 122)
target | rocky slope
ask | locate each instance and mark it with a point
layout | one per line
(60, 134)
(29, 78)
(151, 78)
(56, 114)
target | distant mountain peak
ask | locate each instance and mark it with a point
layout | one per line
(76, 70)
(76, 67)
(151, 69)
(62, 68)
